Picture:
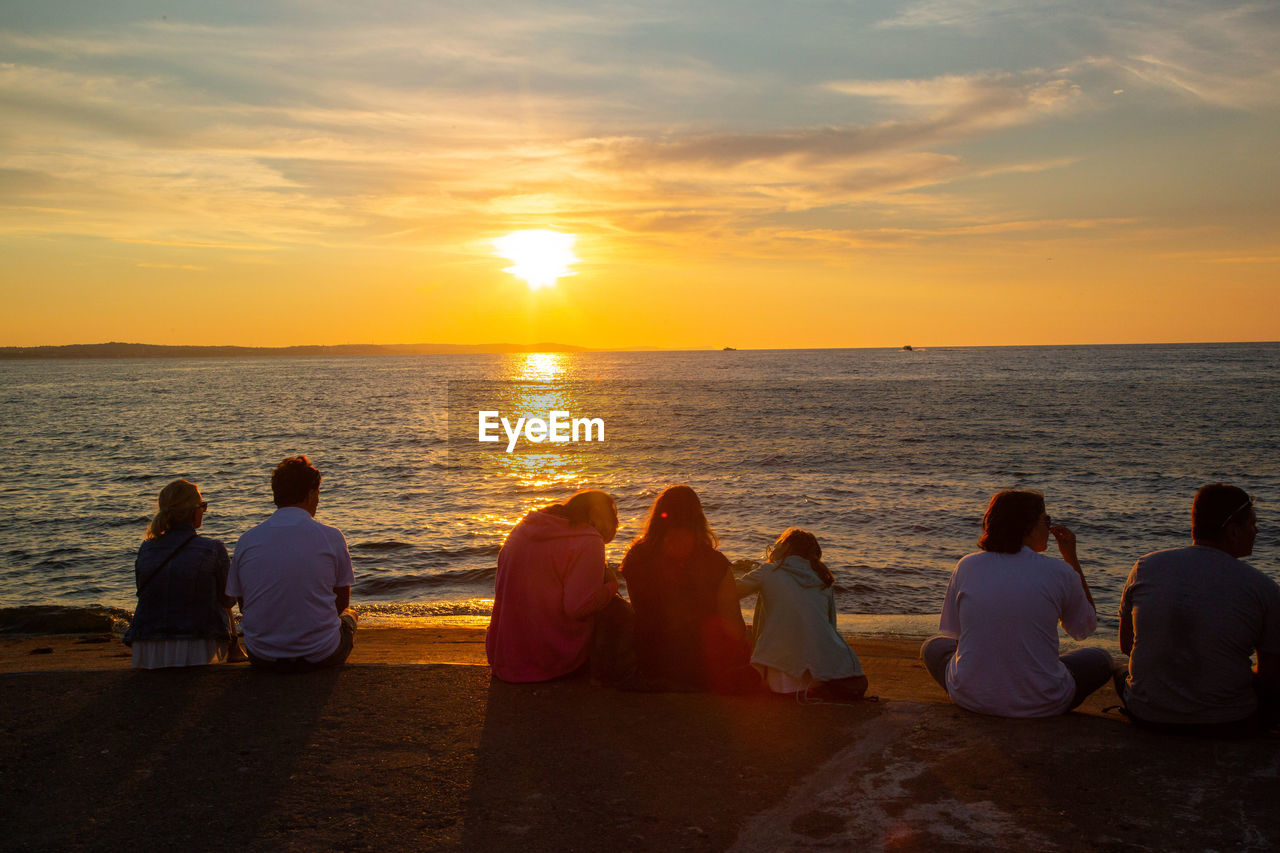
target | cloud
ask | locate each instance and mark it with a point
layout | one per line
(16, 184)
(944, 111)
(967, 13)
(364, 160)
(205, 244)
(425, 127)
(1223, 54)
(1220, 256)
(191, 267)
(1217, 53)
(35, 97)
(979, 100)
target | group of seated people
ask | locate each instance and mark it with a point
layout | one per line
(556, 608)
(291, 577)
(1191, 618)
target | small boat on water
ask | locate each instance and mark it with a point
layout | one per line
(730, 349)
(908, 348)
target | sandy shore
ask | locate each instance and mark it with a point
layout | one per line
(413, 746)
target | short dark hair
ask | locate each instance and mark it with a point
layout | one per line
(1009, 518)
(293, 479)
(1214, 506)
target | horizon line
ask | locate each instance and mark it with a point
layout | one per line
(119, 349)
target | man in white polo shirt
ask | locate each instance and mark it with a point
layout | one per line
(292, 576)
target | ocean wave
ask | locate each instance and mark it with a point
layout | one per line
(435, 556)
(773, 460)
(133, 521)
(389, 545)
(420, 609)
(490, 549)
(71, 551)
(420, 440)
(388, 584)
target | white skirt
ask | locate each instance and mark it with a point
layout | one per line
(780, 682)
(185, 651)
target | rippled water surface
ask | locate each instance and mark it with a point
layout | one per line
(888, 456)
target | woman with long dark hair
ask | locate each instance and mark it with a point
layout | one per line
(689, 631)
(997, 648)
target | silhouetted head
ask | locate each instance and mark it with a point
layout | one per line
(589, 506)
(293, 480)
(677, 508)
(178, 503)
(798, 542)
(1222, 516)
(1010, 517)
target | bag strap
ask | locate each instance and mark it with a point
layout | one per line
(160, 567)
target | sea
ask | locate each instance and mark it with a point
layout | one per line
(888, 456)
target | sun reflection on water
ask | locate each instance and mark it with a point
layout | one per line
(541, 366)
(540, 383)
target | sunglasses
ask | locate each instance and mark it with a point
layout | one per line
(204, 506)
(1248, 503)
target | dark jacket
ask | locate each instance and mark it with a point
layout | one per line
(681, 635)
(185, 598)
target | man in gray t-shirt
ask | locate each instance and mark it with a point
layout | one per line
(1190, 620)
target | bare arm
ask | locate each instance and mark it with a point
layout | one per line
(1067, 548)
(749, 583)
(342, 597)
(1126, 610)
(222, 570)
(1126, 631)
(727, 607)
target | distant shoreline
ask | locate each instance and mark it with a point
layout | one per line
(123, 350)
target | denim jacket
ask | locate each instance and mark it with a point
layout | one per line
(183, 597)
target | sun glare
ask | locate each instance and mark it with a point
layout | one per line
(539, 256)
(541, 366)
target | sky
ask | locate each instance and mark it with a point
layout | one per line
(748, 174)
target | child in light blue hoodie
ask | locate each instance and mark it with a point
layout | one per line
(797, 648)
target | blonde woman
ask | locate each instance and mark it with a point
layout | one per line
(183, 617)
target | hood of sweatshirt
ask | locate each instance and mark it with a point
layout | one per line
(542, 526)
(799, 569)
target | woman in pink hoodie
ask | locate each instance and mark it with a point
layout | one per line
(552, 582)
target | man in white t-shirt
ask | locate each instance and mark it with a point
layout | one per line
(1191, 619)
(997, 648)
(292, 576)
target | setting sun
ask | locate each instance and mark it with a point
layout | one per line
(540, 256)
